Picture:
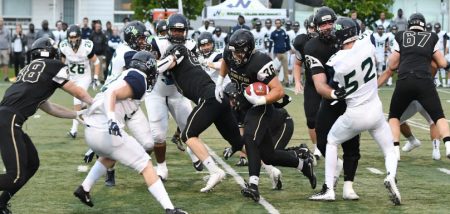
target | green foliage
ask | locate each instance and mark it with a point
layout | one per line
(368, 10)
(191, 8)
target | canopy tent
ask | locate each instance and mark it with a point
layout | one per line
(229, 10)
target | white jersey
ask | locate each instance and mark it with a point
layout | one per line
(165, 84)
(391, 38)
(203, 29)
(292, 36)
(78, 62)
(117, 61)
(259, 39)
(215, 57)
(442, 35)
(219, 41)
(358, 75)
(367, 32)
(380, 44)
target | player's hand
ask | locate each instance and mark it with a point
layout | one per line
(298, 88)
(178, 51)
(80, 116)
(255, 99)
(339, 93)
(95, 83)
(88, 156)
(219, 93)
(114, 128)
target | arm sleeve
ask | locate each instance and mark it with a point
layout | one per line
(137, 84)
(62, 77)
(266, 73)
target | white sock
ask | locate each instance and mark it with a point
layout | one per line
(389, 82)
(191, 154)
(268, 168)
(300, 164)
(211, 165)
(254, 180)
(330, 164)
(74, 126)
(436, 144)
(390, 162)
(97, 171)
(159, 192)
(315, 147)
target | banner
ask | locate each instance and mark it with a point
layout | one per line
(232, 14)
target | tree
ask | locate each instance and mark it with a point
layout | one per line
(368, 10)
(191, 8)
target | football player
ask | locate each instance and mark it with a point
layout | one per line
(105, 134)
(259, 36)
(391, 38)
(219, 38)
(76, 53)
(210, 58)
(245, 66)
(291, 53)
(32, 89)
(380, 40)
(317, 52)
(161, 28)
(443, 47)
(355, 73)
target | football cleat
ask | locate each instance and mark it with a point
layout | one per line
(317, 154)
(228, 152)
(410, 145)
(242, 162)
(214, 179)
(447, 148)
(175, 211)
(251, 191)
(110, 179)
(391, 186)
(348, 193)
(326, 194)
(177, 141)
(5, 209)
(83, 196)
(275, 177)
(162, 172)
(308, 171)
(397, 152)
(198, 165)
(436, 152)
(73, 135)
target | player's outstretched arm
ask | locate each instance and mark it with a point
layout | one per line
(57, 110)
(298, 76)
(78, 92)
(440, 60)
(320, 82)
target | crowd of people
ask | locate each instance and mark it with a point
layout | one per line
(171, 66)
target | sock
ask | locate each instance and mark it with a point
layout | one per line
(330, 164)
(390, 162)
(396, 143)
(211, 165)
(193, 157)
(389, 82)
(436, 144)
(74, 126)
(110, 169)
(159, 192)
(268, 168)
(411, 138)
(163, 165)
(254, 180)
(97, 171)
(300, 164)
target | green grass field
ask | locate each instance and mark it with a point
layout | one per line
(423, 187)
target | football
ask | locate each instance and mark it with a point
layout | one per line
(258, 88)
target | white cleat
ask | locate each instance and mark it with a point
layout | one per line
(410, 145)
(436, 151)
(348, 193)
(317, 154)
(275, 177)
(391, 186)
(213, 180)
(162, 172)
(397, 152)
(447, 148)
(326, 194)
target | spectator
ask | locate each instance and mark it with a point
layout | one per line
(30, 38)
(18, 45)
(100, 44)
(85, 30)
(206, 27)
(113, 41)
(281, 45)
(5, 40)
(240, 25)
(400, 21)
(45, 31)
(364, 30)
(59, 33)
(354, 16)
(382, 21)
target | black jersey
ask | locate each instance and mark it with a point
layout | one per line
(35, 83)
(317, 53)
(191, 80)
(299, 45)
(416, 49)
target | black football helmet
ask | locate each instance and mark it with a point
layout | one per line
(429, 27)
(394, 29)
(135, 34)
(258, 25)
(345, 31)
(322, 16)
(205, 38)
(416, 22)
(437, 27)
(241, 45)
(43, 48)
(237, 100)
(161, 27)
(311, 27)
(74, 36)
(177, 22)
(145, 62)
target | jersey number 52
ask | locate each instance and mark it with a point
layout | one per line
(352, 85)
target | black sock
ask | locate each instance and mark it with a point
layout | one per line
(397, 143)
(446, 139)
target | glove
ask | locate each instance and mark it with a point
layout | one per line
(95, 83)
(80, 115)
(255, 99)
(114, 129)
(219, 89)
(338, 94)
(178, 51)
(88, 156)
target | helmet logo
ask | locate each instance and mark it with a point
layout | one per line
(338, 27)
(326, 18)
(178, 25)
(131, 29)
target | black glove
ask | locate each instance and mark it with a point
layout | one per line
(339, 93)
(114, 128)
(177, 50)
(88, 156)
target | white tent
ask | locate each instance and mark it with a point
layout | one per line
(231, 9)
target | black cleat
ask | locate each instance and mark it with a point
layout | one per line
(5, 209)
(72, 135)
(251, 191)
(242, 162)
(308, 171)
(83, 196)
(177, 141)
(175, 211)
(110, 179)
(198, 165)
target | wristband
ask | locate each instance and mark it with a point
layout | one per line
(332, 95)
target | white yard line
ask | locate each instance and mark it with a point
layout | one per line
(269, 207)
(443, 91)
(375, 171)
(444, 170)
